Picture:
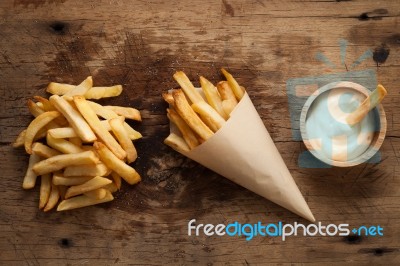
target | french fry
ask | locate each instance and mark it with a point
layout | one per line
(62, 133)
(229, 101)
(47, 106)
(96, 193)
(188, 135)
(99, 169)
(188, 88)
(103, 92)
(59, 162)
(209, 115)
(62, 145)
(111, 187)
(237, 90)
(20, 140)
(43, 150)
(117, 179)
(70, 181)
(93, 93)
(110, 114)
(77, 122)
(81, 89)
(212, 96)
(118, 129)
(59, 88)
(82, 201)
(127, 112)
(53, 198)
(94, 183)
(177, 143)
(30, 176)
(111, 161)
(34, 109)
(45, 188)
(34, 127)
(94, 122)
(168, 98)
(189, 116)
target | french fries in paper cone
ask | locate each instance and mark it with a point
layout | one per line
(242, 151)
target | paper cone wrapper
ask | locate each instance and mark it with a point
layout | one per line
(243, 151)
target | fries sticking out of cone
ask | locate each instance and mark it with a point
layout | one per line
(223, 132)
(79, 149)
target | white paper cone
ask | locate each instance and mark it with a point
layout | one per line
(243, 151)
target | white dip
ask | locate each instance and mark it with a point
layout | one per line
(327, 130)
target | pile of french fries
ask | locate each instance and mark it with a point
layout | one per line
(198, 117)
(79, 148)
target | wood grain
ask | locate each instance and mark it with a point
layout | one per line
(140, 44)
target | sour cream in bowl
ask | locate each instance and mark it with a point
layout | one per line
(329, 137)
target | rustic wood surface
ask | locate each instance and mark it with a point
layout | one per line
(140, 44)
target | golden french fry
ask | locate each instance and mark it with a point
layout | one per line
(81, 89)
(94, 183)
(59, 88)
(99, 169)
(373, 99)
(45, 188)
(20, 140)
(70, 181)
(34, 127)
(103, 92)
(177, 143)
(111, 187)
(62, 145)
(228, 106)
(226, 92)
(188, 135)
(43, 150)
(229, 101)
(209, 116)
(94, 122)
(96, 193)
(30, 176)
(47, 106)
(188, 88)
(189, 116)
(117, 179)
(53, 198)
(118, 129)
(62, 133)
(59, 162)
(110, 114)
(34, 109)
(74, 118)
(111, 161)
(237, 90)
(212, 96)
(92, 93)
(127, 112)
(168, 98)
(82, 201)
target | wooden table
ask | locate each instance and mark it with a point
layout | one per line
(140, 44)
